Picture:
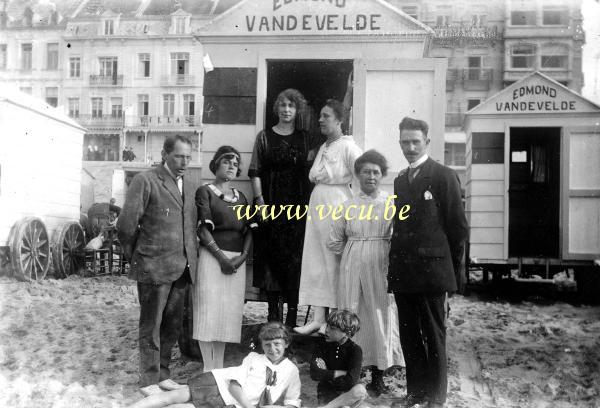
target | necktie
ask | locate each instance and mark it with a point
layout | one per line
(270, 381)
(412, 173)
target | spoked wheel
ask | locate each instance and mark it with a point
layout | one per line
(30, 249)
(67, 253)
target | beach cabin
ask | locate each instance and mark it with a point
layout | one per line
(40, 185)
(533, 179)
(366, 52)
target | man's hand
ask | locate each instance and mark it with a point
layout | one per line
(321, 363)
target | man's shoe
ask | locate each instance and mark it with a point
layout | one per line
(169, 385)
(150, 390)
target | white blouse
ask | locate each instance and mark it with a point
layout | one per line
(334, 164)
(251, 376)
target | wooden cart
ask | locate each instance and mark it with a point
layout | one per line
(40, 176)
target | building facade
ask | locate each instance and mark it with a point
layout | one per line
(132, 72)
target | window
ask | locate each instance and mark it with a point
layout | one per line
(454, 154)
(555, 57)
(180, 63)
(96, 107)
(230, 96)
(412, 11)
(474, 72)
(443, 15)
(26, 57)
(143, 106)
(522, 12)
(478, 20)
(73, 107)
(168, 105)
(101, 147)
(488, 148)
(522, 56)
(189, 105)
(108, 66)
(471, 103)
(52, 56)
(26, 89)
(52, 96)
(116, 107)
(109, 27)
(144, 70)
(2, 56)
(75, 67)
(180, 25)
(555, 15)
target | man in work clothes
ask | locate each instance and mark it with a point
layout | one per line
(425, 254)
(157, 229)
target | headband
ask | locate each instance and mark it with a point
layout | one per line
(228, 154)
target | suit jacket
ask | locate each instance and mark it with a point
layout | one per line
(426, 248)
(157, 227)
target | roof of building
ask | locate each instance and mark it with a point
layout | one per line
(41, 12)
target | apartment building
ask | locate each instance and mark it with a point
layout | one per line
(490, 45)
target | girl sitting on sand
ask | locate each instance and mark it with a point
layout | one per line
(262, 379)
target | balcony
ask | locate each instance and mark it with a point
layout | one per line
(460, 35)
(99, 120)
(477, 79)
(163, 122)
(177, 80)
(452, 78)
(101, 80)
(454, 119)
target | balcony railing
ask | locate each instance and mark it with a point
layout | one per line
(459, 34)
(454, 119)
(99, 120)
(101, 80)
(477, 79)
(452, 78)
(177, 80)
(177, 121)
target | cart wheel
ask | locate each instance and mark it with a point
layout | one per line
(30, 249)
(67, 251)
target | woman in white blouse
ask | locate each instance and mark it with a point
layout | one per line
(332, 172)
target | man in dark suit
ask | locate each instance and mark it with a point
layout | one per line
(157, 229)
(425, 255)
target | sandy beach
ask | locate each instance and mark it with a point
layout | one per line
(73, 343)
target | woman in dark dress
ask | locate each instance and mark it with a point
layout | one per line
(279, 175)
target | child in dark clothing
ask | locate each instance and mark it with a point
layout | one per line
(337, 361)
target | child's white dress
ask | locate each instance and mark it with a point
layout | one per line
(251, 375)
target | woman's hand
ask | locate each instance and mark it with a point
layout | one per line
(260, 200)
(238, 260)
(227, 266)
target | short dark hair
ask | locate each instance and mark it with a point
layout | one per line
(346, 321)
(169, 144)
(274, 331)
(414, 124)
(212, 166)
(338, 109)
(295, 97)
(374, 157)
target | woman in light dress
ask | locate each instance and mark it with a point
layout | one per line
(221, 275)
(332, 172)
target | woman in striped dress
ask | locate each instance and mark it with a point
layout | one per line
(364, 245)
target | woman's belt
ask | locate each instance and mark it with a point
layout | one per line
(385, 238)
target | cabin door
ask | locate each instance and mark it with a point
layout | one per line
(534, 192)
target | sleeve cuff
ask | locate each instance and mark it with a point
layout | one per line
(253, 225)
(209, 224)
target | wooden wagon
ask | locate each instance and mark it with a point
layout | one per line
(40, 183)
(533, 182)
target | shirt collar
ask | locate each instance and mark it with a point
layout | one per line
(422, 160)
(171, 173)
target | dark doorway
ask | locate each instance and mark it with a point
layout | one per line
(318, 80)
(534, 192)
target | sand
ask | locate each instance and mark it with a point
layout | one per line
(73, 343)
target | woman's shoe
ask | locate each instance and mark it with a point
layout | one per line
(308, 328)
